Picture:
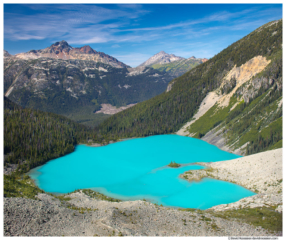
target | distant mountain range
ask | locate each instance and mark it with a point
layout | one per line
(161, 58)
(78, 88)
(174, 65)
(77, 82)
(178, 68)
(62, 50)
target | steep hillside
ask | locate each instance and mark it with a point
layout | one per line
(77, 88)
(160, 58)
(179, 67)
(248, 118)
(62, 50)
(168, 112)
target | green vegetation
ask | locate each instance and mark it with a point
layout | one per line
(16, 186)
(167, 112)
(174, 164)
(265, 217)
(86, 116)
(99, 196)
(190, 210)
(32, 137)
(82, 210)
(177, 68)
(276, 145)
(210, 119)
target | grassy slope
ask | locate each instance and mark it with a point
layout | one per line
(246, 123)
(177, 68)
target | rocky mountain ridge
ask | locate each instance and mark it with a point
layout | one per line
(179, 67)
(62, 50)
(78, 88)
(6, 54)
(161, 58)
(174, 65)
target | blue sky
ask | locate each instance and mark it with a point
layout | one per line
(134, 32)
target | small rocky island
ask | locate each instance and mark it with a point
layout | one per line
(174, 165)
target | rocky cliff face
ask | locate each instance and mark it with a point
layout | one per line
(69, 86)
(161, 58)
(6, 54)
(62, 50)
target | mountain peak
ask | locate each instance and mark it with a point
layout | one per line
(62, 50)
(161, 58)
(87, 49)
(61, 45)
(6, 54)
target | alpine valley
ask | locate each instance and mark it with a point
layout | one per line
(75, 82)
(60, 97)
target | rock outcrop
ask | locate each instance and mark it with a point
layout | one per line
(161, 58)
(62, 50)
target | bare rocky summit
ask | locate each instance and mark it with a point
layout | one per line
(161, 58)
(6, 54)
(62, 50)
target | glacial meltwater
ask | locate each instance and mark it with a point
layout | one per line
(137, 169)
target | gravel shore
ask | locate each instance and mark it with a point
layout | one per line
(79, 214)
(261, 173)
(48, 217)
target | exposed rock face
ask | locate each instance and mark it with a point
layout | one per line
(109, 109)
(136, 71)
(59, 86)
(6, 54)
(170, 85)
(206, 104)
(161, 58)
(242, 74)
(62, 50)
(241, 83)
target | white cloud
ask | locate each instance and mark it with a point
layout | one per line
(115, 46)
(75, 22)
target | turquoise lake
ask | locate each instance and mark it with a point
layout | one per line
(136, 169)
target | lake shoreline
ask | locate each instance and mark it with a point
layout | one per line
(140, 157)
(87, 216)
(261, 173)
